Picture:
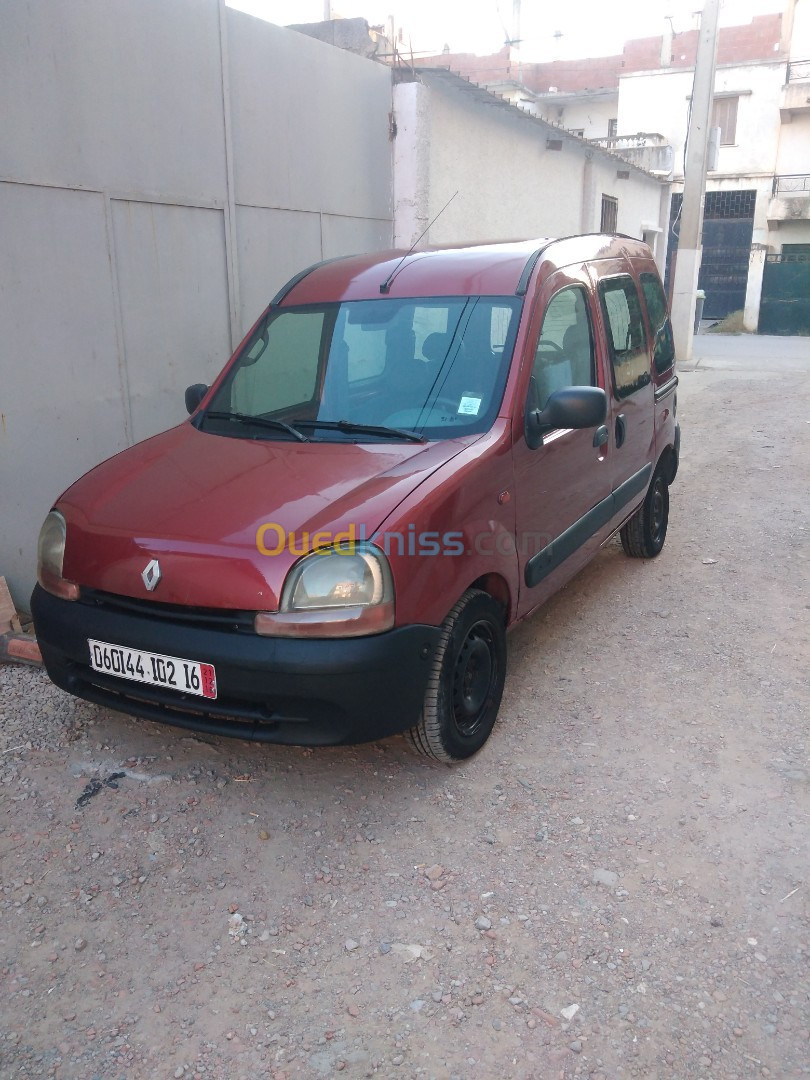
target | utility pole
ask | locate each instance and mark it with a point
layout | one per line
(690, 245)
(327, 10)
(516, 24)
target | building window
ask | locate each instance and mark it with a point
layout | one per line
(610, 214)
(724, 116)
(578, 131)
(613, 128)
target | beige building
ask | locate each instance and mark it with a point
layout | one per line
(502, 173)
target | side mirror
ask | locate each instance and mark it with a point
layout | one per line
(194, 395)
(573, 407)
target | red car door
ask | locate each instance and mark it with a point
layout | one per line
(558, 484)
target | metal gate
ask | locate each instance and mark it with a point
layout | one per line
(728, 225)
(785, 304)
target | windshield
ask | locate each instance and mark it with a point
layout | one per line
(433, 368)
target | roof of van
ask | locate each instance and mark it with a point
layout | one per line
(497, 269)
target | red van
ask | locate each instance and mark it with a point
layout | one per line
(408, 454)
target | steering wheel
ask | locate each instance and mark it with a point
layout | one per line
(550, 345)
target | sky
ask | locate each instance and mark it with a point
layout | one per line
(549, 31)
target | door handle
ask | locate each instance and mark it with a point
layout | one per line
(601, 436)
(621, 429)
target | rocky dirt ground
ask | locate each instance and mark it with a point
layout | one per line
(617, 886)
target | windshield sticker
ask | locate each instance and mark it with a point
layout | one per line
(469, 406)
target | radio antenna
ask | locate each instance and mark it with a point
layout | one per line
(386, 285)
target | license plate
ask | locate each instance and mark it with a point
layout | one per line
(187, 676)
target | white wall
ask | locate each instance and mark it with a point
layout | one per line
(639, 199)
(591, 116)
(800, 38)
(510, 185)
(164, 168)
(790, 232)
(794, 144)
(659, 101)
(763, 145)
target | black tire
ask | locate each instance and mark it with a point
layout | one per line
(466, 682)
(644, 534)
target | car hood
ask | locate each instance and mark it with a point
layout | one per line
(196, 501)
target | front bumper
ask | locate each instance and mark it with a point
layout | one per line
(282, 690)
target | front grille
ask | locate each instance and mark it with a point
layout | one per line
(276, 721)
(236, 622)
(171, 702)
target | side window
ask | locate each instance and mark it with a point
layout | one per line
(564, 355)
(628, 347)
(659, 322)
(283, 367)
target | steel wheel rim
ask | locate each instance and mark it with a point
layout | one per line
(657, 515)
(474, 676)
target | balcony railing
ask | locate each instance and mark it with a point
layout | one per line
(795, 184)
(647, 149)
(631, 142)
(791, 257)
(798, 69)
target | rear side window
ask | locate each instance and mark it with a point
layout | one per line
(659, 322)
(625, 326)
(564, 355)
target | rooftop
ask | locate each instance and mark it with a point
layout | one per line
(497, 269)
(758, 40)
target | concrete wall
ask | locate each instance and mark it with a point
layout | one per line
(510, 184)
(800, 31)
(164, 168)
(794, 232)
(789, 214)
(591, 116)
(794, 141)
(659, 101)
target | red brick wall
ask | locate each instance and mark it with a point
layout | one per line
(736, 44)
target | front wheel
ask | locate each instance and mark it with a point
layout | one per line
(644, 534)
(466, 682)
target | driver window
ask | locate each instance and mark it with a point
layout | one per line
(564, 355)
(282, 365)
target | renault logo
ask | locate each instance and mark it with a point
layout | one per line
(151, 575)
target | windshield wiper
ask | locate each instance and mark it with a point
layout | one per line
(351, 428)
(257, 421)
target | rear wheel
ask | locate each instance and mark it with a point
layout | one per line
(466, 683)
(644, 534)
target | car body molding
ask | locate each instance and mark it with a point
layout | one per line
(554, 554)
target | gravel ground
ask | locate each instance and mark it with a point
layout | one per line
(617, 886)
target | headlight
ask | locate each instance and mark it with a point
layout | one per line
(50, 556)
(338, 578)
(340, 592)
